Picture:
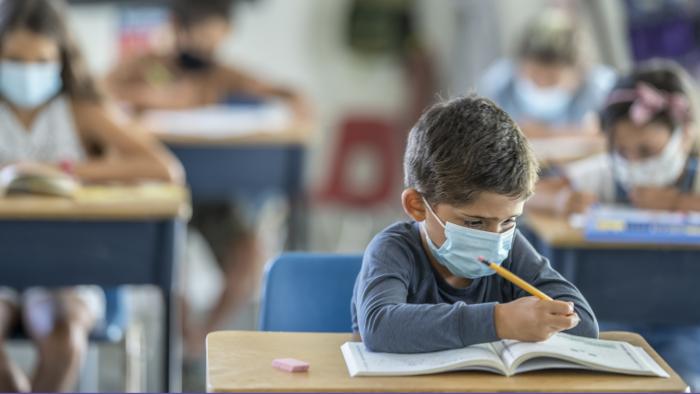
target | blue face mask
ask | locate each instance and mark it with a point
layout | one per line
(463, 246)
(539, 103)
(28, 85)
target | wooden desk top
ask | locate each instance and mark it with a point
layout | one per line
(149, 201)
(241, 361)
(558, 233)
(296, 135)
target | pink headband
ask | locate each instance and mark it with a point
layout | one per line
(647, 102)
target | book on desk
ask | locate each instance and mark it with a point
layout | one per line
(508, 357)
(36, 179)
(618, 224)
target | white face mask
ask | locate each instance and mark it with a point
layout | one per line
(659, 171)
(29, 85)
(541, 103)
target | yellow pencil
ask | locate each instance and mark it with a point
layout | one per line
(515, 279)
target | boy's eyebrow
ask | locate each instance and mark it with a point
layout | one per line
(487, 218)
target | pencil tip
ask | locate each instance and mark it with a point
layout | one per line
(482, 260)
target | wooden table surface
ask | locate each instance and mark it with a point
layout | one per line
(121, 202)
(298, 133)
(240, 361)
(559, 233)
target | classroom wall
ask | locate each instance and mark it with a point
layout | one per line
(302, 43)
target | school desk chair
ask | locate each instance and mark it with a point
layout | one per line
(309, 292)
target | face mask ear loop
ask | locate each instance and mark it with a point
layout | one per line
(430, 209)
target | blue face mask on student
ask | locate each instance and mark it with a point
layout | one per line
(463, 246)
(28, 85)
(542, 104)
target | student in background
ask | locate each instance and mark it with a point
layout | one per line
(652, 163)
(469, 171)
(549, 88)
(190, 76)
(652, 157)
(51, 112)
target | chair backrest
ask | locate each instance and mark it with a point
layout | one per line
(378, 138)
(309, 292)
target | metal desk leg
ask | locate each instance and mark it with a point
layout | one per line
(173, 242)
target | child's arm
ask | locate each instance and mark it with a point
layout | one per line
(129, 155)
(664, 198)
(555, 195)
(388, 323)
(587, 129)
(237, 81)
(147, 83)
(536, 270)
(689, 202)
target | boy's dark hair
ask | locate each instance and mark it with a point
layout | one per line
(47, 18)
(550, 38)
(465, 146)
(664, 75)
(188, 13)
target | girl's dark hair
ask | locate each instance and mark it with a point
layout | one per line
(47, 18)
(188, 13)
(665, 76)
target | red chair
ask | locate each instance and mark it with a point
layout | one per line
(361, 136)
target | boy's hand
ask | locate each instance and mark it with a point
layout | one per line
(664, 198)
(530, 319)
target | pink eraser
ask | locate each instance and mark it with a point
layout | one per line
(290, 364)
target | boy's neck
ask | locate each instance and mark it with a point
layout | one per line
(452, 280)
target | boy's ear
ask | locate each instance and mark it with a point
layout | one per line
(413, 204)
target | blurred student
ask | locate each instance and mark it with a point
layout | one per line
(652, 163)
(549, 88)
(652, 160)
(190, 76)
(51, 112)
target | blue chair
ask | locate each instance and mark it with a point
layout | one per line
(309, 292)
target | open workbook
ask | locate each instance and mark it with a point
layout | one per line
(508, 357)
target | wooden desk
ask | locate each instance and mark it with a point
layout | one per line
(298, 133)
(239, 361)
(558, 232)
(103, 202)
(106, 236)
(630, 282)
(248, 166)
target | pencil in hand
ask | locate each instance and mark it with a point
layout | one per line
(515, 279)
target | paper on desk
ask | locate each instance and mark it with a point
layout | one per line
(222, 121)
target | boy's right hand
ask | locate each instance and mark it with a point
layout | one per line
(530, 319)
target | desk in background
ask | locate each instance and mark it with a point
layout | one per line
(223, 167)
(239, 361)
(634, 283)
(106, 236)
